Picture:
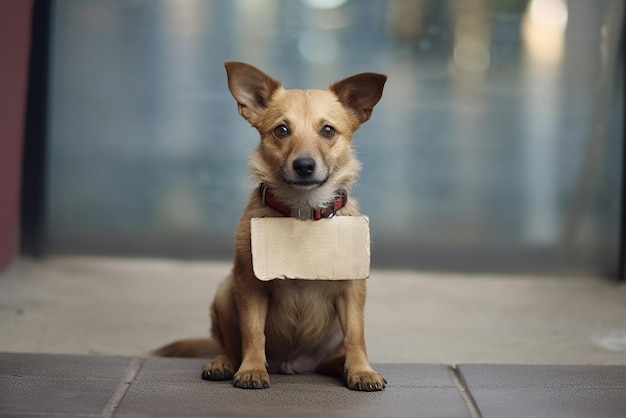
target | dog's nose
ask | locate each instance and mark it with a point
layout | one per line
(304, 166)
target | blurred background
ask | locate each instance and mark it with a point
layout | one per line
(497, 146)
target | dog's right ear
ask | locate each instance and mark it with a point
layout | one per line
(251, 87)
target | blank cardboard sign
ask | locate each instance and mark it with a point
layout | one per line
(328, 249)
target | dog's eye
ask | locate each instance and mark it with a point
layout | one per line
(328, 131)
(281, 131)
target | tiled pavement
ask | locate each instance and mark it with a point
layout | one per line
(103, 386)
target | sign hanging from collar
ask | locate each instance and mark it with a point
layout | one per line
(335, 248)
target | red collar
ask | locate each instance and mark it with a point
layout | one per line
(327, 211)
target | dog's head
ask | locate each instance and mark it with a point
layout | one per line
(305, 154)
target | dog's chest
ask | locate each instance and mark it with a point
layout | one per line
(302, 326)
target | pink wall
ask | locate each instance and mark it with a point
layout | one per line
(15, 19)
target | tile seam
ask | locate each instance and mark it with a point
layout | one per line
(119, 394)
(469, 400)
(74, 378)
(549, 386)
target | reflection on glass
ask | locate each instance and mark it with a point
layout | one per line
(543, 27)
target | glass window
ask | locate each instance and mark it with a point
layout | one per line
(496, 147)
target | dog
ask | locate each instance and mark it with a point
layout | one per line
(304, 166)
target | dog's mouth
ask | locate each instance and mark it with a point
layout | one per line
(305, 174)
(306, 184)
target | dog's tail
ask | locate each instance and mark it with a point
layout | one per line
(190, 347)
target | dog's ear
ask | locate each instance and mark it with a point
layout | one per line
(251, 87)
(360, 93)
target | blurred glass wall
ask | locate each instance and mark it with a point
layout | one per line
(496, 147)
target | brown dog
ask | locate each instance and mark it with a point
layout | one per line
(305, 166)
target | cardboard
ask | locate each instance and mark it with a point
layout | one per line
(337, 248)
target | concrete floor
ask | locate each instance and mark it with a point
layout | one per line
(114, 386)
(425, 333)
(104, 306)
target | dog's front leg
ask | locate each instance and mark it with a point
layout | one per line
(252, 301)
(358, 372)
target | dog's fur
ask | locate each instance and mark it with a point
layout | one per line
(292, 326)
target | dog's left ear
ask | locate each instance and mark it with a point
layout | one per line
(360, 93)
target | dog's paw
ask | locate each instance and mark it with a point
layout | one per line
(252, 379)
(368, 381)
(217, 370)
